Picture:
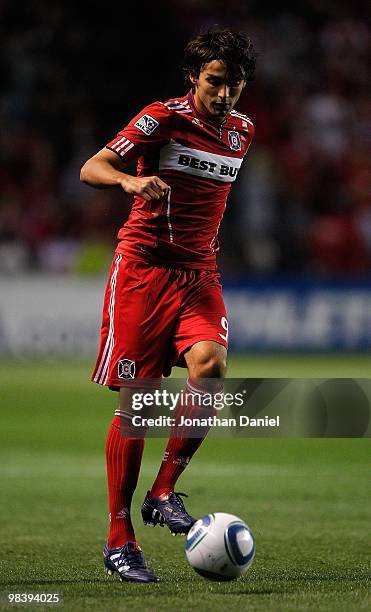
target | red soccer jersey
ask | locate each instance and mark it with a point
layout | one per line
(199, 160)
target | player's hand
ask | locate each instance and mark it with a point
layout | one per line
(147, 187)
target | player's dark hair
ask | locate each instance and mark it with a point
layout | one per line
(234, 48)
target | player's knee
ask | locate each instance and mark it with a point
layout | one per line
(209, 364)
(213, 368)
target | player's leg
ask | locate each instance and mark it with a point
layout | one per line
(123, 460)
(124, 451)
(122, 553)
(202, 342)
(134, 342)
(207, 364)
(206, 359)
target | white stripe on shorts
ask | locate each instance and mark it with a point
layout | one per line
(171, 236)
(104, 375)
(104, 362)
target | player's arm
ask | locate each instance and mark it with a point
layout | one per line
(147, 131)
(106, 169)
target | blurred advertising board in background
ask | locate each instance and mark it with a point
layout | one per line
(53, 315)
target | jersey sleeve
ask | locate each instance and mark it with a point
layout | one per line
(147, 130)
(248, 132)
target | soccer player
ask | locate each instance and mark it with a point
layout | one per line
(163, 304)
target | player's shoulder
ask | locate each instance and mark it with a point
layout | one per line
(166, 109)
(156, 109)
(180, 106)
(243, 122)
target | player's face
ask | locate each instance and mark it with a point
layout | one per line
(216, 92)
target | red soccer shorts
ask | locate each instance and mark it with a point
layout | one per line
(151, 315)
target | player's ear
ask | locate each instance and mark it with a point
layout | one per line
(193, 78)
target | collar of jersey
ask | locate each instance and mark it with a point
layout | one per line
(203, 116)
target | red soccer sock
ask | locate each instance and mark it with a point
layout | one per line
(180, 450)
(123, 456)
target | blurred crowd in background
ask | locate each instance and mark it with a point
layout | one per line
(74, 73)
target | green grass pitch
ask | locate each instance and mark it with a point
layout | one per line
(306, 500)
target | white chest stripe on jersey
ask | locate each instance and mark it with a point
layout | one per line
(175, 156)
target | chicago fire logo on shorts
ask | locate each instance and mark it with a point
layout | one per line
(234, 140)
(147, 124)
(126, 368)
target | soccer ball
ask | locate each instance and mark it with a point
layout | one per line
(220, 546)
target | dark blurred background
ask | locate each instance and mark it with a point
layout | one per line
(73, 73)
